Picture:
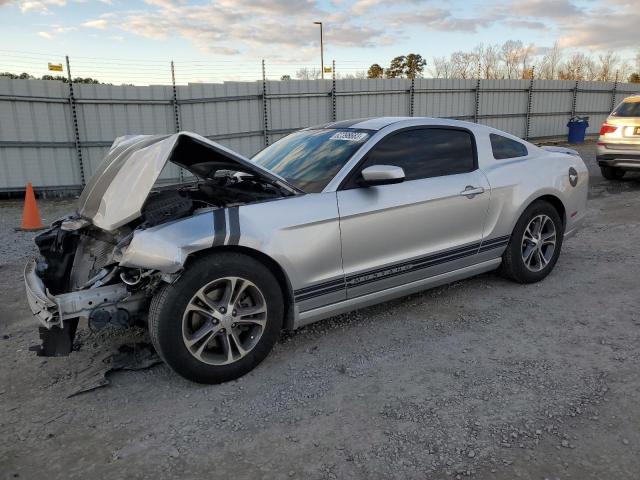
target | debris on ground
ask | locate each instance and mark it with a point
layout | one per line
(136, 356)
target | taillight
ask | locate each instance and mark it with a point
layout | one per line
(606, 128)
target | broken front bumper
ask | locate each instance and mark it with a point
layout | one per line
(41, 304)
(54, 310)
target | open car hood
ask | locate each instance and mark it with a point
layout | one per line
(117, 191)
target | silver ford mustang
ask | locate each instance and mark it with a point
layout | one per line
(326, 220)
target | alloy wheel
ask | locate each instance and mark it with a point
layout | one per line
(224, 320)
(538, 243)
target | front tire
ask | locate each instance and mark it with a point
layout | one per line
(612, 173)
(219, 320)
(535, 244)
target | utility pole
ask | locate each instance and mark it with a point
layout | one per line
(321, 50)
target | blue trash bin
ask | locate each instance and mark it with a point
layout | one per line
(577, 129)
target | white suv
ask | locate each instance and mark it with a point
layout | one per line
(619, 142)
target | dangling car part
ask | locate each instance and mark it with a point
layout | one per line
(326, 220)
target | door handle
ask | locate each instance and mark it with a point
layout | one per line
(471, 191)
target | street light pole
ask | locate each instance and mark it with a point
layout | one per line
(321, 50)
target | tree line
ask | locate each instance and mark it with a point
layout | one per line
(404, 66)
(514, 60)
(60, 78)
(510, 60)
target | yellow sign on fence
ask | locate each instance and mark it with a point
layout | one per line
(55, 67)
(327, 69)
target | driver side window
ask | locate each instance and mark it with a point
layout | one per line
(423, 153)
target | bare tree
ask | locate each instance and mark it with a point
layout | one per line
(463, 65)
(623, 71)
(357, 75)
(550, 62)
(308, 73)
(512, 59)
(511, 56)
(488, 60)
(441, 67)
(590, 70)
(574, 67)
(525, 61)
(477, 53)
(607, 66)
(635, 76)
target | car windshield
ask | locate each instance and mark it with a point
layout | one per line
(309, 159)
(627, 109)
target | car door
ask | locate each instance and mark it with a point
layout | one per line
(429, 224)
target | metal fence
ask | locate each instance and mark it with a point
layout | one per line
(55, 134)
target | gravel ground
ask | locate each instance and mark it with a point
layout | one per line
(481, 378)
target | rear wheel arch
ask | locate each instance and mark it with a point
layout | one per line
(551, 199)
(556, 203)
(275, 268)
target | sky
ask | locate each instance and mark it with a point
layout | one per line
(134, 41)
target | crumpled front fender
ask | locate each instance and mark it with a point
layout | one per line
(166, 247)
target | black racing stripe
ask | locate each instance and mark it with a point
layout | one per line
(396, 269)
(307, 296)
(493, 246)
(415, 265)
(471, 249)
(420, 266)
(496, 240)
(319, 286)
(234, 226)
(219, 227)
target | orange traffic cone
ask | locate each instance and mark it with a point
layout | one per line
(31, 215)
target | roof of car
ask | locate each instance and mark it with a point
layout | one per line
(374, 123)
(378, 123)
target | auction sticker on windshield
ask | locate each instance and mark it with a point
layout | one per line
(352, 136)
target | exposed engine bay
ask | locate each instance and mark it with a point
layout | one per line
(227, 189)
(78, 274)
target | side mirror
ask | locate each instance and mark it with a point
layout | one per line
(382, 175)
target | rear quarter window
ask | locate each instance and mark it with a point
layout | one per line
(627, 109)
(504, 147)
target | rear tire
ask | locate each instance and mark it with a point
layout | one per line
(219, 320)
(535, 244)
(612, 173)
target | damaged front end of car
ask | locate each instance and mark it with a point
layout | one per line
(105, 262)
(77, 276)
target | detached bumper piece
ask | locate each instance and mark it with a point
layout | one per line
(59, 314)
(41, 304)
